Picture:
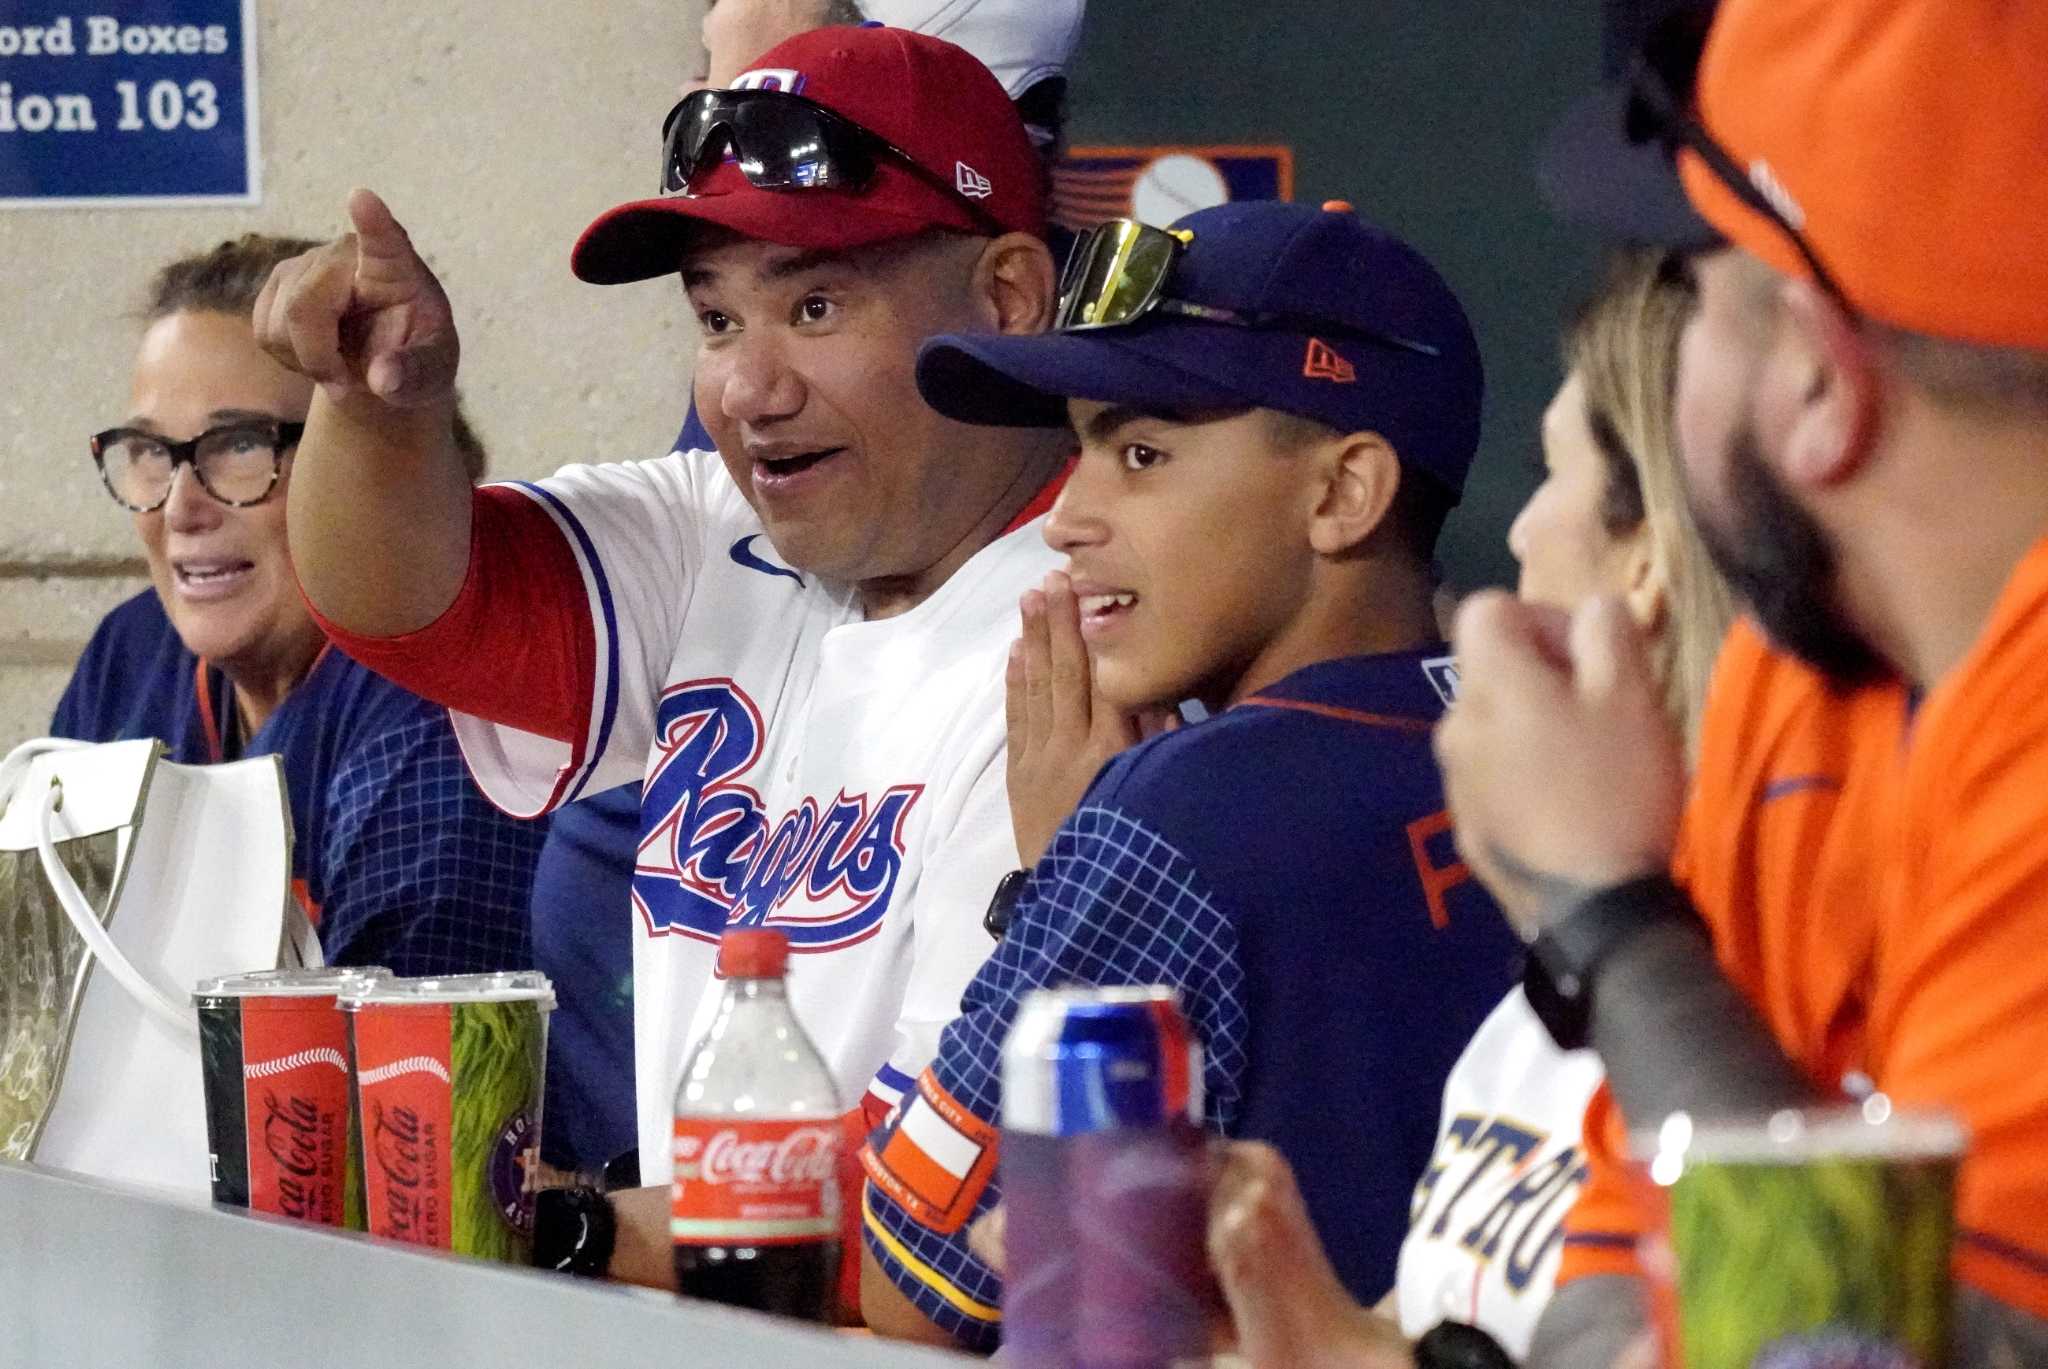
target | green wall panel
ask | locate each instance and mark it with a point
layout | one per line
(1426, 116)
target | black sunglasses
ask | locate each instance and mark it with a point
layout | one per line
(1661, 81)
(785, 142)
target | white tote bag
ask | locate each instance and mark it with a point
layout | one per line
(124, 880)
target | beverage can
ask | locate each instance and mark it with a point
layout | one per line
(1804, 1240)
(1104, 1182)
(274, 1065)
(448, 1076)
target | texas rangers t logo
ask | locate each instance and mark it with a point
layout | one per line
(709, 856)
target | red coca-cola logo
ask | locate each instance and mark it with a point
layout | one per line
(808, 1155)
(295, 1138)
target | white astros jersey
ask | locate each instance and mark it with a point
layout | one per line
(1487, 1226)
(839, 780)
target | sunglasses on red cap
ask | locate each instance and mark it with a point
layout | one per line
(782, 141)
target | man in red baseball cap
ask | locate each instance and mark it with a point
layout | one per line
(1857, 893)
(800, 645)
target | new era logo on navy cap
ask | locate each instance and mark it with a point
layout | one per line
(1313, 312)
(1326, 363)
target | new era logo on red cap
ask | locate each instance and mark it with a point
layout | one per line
(1323, 363)
(972, 183)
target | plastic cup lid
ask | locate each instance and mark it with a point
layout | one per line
(331, 981)
(507, 987)
(1872, 1129)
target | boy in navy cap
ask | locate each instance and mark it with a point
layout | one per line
(1276, 407)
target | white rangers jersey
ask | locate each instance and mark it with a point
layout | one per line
(806, 770)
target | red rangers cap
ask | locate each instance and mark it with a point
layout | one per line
(926, 97)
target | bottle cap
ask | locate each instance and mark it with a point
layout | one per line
(753, 953)
(1339, 207)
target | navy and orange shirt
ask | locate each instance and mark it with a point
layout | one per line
(1875, 876)
(397, 856)
(1287, 866)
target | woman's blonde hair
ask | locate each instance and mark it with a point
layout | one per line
(1624, 344)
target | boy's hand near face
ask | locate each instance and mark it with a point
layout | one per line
(1060, 731)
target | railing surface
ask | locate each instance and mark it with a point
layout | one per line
(93, 1274)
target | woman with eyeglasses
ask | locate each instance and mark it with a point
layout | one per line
(1486, 1234)
(398, 858)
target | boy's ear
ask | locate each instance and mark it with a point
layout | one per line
(1358, 474)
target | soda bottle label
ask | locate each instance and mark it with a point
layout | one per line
(754, 1182)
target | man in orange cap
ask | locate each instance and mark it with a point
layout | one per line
(1858, 890)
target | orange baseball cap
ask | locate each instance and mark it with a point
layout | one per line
(1907, 143)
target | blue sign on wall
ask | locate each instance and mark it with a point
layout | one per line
(128, 102)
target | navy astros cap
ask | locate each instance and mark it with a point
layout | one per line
(1602, 167)
(1372, 340)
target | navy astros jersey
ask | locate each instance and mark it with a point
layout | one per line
(399, 858)
(1288, 865)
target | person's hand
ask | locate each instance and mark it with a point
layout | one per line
(1562, 766)
(363, 316)
(1060, 731)
(642, 1250)
(1289, 1309)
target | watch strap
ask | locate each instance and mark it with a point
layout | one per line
(1455, 1345)
(1002, 904)
(574, 1230)
(1565, 960)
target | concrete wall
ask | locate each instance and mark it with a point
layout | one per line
(496, 129)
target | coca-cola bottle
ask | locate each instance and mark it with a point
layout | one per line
(755, 1197)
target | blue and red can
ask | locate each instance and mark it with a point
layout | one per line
(1104, 1183)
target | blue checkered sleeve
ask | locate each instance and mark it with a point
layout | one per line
(1113, 903)
(419, 872)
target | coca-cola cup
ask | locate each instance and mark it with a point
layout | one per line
(448, 1077)
(274, 1053)
(1807, 1237)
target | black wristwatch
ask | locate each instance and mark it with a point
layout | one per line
(574, 1230)
(1564, 962)
(1003, 903)
(1454, 1345)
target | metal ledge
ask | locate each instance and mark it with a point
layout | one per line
(95, 1274)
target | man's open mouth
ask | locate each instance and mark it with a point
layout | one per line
(783, 467)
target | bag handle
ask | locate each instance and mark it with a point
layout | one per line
(71, 899)
(15, 767)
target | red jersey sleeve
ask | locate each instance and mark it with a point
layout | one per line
(517, 646)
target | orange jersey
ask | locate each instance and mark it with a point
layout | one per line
(1875, 877)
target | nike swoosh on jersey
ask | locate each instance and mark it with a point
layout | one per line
(743, 553)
